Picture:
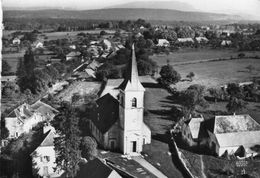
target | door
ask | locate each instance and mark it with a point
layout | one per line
(45, 171)
(133, 146)
(112, 145)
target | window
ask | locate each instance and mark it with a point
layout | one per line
(46, 158)
(134, 102)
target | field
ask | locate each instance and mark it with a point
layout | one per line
(209, 71)
(73, 34)
(12, 59)
(216, 73)
(184, 56)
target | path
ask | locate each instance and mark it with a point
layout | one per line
(148, 166)
(202, 167)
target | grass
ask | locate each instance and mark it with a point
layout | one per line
(214, 74)
(157, 107)
(183, 56)
(73, 34)
(12, 59)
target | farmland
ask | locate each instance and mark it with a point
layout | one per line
(12, 59)
(208, 70)
(186, 56)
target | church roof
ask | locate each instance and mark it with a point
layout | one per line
(131, 81)
(107, 113)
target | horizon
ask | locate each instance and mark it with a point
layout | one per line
(246, 8)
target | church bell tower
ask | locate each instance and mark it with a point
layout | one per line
(131, 109)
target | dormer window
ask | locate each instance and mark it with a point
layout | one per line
(134, 102)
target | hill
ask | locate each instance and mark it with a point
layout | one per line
(122, 14)
(172, 5)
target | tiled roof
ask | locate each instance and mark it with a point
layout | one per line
(195, 124)
(94, 169)
(235, 123)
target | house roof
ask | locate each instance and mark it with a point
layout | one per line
(195, 124)
(131, 81)
(48, 139)
(44, 109)
(94, 169)
(107, 113)
(235, 123)
(73, 54)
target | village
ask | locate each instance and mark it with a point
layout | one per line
(130, 99)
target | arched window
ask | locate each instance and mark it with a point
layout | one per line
(134, 102)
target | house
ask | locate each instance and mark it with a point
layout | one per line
(163, 42)
(74, 55)
(107, 45)
(10, 78)
(225, 43)
(118, 123)
(72, 46)
(16, 41)
(185, 40)
(201, 39)
(44, 157)
(38, 44)
(96, 169)
(233, 131)
(194, 125)
(25, 117)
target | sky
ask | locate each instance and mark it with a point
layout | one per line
(250, 7)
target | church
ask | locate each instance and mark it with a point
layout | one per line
(118, 120)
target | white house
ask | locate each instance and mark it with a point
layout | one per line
(25, 117)
(163, 42)
(195, 126)
(38, 44)
(44, 157)
(107, 45)
(201, 39)
(184, 40)
(231, 132)
(119, 124)
(73, 55)
(226, 43)
(72, 46)
(16, 41)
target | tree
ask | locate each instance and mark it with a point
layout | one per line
(4, 131)
(5, 67)
(67, 145)
(235, 105)
(190, 76)
(193, 96)
(169, 75)
(234, 90)
(10, 89)
(88, 148)
(102, 33)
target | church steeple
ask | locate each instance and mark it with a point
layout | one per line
(131, 81)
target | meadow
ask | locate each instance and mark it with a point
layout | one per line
(186, 56)
(13, 59)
